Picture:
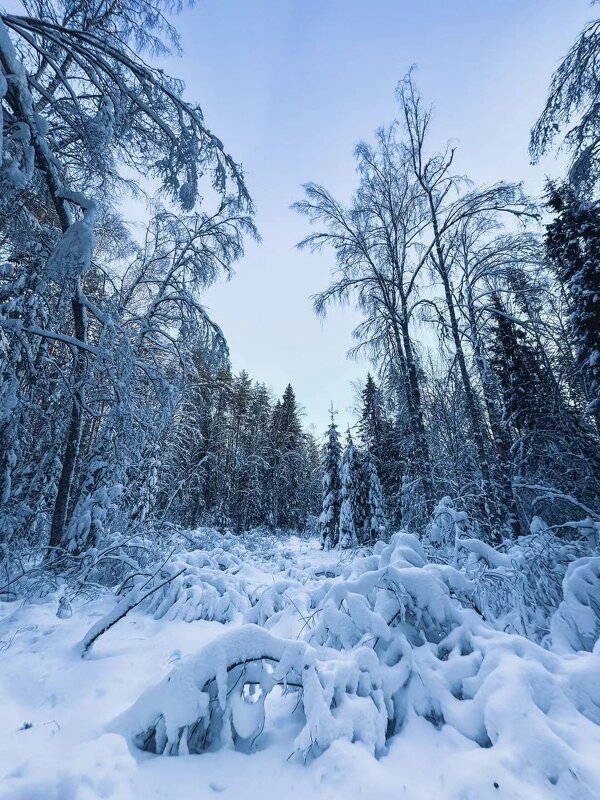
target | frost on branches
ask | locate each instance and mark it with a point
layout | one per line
(392, 643)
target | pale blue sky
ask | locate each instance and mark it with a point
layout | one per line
(290, 86)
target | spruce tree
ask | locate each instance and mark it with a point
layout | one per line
(330, 514)
(350, 493)
(372, 423)
(527, 391)
(289, 463)
(573, 246)
(383, 440)
(513, 364)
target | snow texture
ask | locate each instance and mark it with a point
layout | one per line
(393, 643)
(371, 677)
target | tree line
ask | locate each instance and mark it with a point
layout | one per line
(481, 313)
(118, 409)
(238, 459)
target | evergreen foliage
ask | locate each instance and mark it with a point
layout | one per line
(374, 526)
(351, 511)
(329, 519)
(573, 244)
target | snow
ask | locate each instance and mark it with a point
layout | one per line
(477, 713)
(576, 623)
(72, 255)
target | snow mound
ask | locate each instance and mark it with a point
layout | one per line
(198, 585)
(395, 645)
(576, 623)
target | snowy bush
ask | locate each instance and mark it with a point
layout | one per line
(519, 584)
(520, 588)
(447, 523)
(397, 590)
(394, 641)
(197, 585)
(217, 698)
(288, 601)
(576, 623)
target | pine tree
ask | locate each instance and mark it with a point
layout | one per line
(383, 440)
(551, 442)
(310, 493)
(350, 494)
(371, 425)
(257, 502)
(329, 521)
(573, 245)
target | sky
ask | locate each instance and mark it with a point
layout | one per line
(290, 87)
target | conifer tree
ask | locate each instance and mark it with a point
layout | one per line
(350, 493)
(371, 425)
(289, 462)
(330, 515)
(525, 386)
(573, 245)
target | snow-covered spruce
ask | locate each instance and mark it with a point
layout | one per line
(350, 494)
(329, 520)
(394, 642)
(375, 522)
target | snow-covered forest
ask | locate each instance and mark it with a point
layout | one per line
(200, 593)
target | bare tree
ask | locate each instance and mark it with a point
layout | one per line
(379, 259)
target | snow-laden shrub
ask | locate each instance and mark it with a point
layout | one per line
(216, 698)
(394, 591)
(576, 623)
(446, 523)
(197, 585)
(273, 602)
(394, 644)
(519, 588)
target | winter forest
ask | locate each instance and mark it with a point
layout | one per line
(203, 593)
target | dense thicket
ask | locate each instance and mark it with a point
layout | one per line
(119, 414)
(239, 459)
(117, 406)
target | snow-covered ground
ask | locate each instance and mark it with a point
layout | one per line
(58, 712)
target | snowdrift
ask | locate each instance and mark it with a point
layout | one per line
(390, 644)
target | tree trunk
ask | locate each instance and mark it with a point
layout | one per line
(65, 483)
(415, 406)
